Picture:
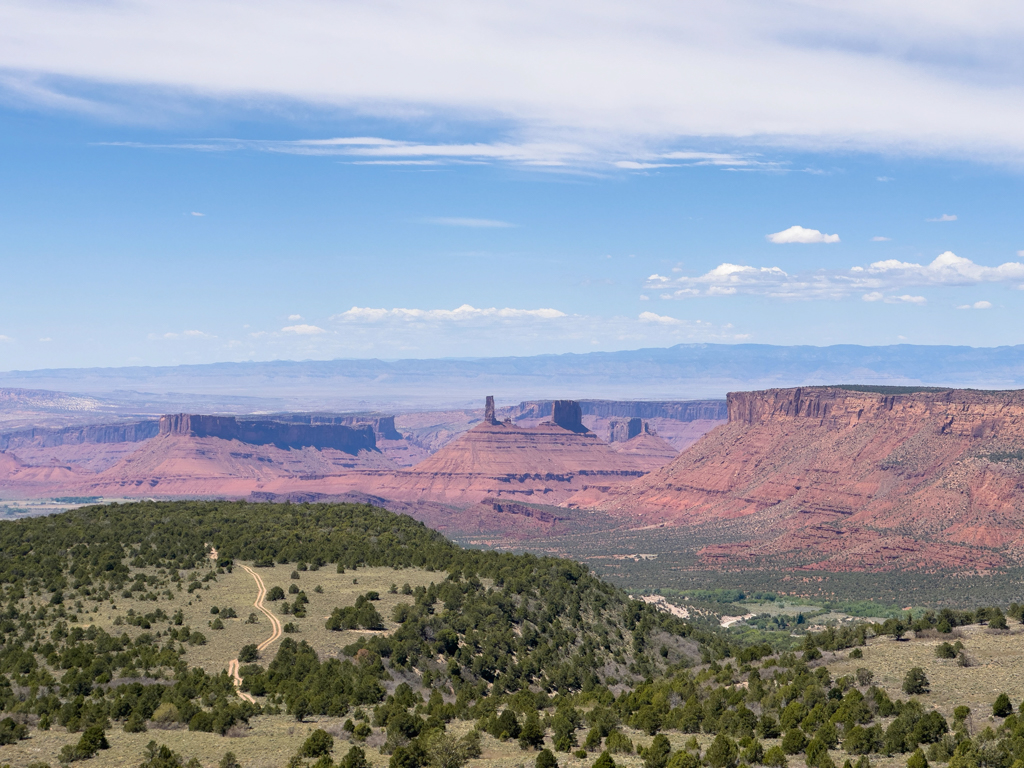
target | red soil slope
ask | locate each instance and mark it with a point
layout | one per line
(846, 480)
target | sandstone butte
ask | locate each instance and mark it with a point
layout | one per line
(222, 456)
(839, 479)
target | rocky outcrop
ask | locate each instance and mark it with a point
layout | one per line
(621, 430)
(489, 410)
(810, 475)
(283, 435)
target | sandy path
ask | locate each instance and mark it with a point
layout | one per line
(275, 634)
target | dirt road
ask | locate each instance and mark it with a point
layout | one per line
(275, 625)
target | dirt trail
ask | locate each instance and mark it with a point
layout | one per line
(275, 634)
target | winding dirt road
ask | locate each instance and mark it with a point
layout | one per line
(275, 634)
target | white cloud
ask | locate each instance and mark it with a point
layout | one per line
(873, 281)
(944, 217)
(467, 222)
(46, 338)
(947, 269)
(196, 213)
(798, 234)
(917, 77)
(303, 330)
(651, 317)
(463, 313)
(884, 178)
(294, 317)
(5, 338)
(977, 305)
(905, 299)
(880, 239)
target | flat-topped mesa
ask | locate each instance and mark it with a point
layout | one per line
(568, 415)
(348, 439)
(961, 412)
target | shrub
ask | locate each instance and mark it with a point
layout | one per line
(945, 651)
(319, 743)
(775, 757)
(794, 742)
(864, 676)
(683, 759)
(856, 653)
(917, 760)
(229, 761)
(166, 713)
(12, 732)
(915, 682)
(618, 743)
(722, 753)
(604, 760)
(656, 755)
(546, 759)
(275, 593)
(248, 654)
(355, 758)
(1002, 706)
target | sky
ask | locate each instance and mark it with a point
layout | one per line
(199, 182)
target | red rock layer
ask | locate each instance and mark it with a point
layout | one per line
(545, 463)
(650, 450)
(847, 479)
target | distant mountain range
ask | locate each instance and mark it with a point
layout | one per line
(682, 372)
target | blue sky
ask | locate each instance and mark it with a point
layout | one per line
(179, 183)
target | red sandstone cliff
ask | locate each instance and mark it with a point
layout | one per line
(847, 479)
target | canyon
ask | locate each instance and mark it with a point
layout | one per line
(808, 479)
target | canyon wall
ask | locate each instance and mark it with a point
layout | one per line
(678, 410)
(49, 437)
(339, 437)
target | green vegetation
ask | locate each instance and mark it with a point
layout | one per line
(533, 655)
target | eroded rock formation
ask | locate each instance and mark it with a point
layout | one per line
(283, 435)
(845, 479)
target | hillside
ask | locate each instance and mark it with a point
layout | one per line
(270, 635)
(842, 479)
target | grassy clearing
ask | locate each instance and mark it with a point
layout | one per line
(997, 666)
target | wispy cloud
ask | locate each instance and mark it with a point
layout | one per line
(455, 221)
(977, 305)
(5, 338)
(303, 330)
(880, 239)
(916, 77)
(460, 314)
(944, 217)
(798, 234)
(182, 335)
(875, 280)
(294, 317)
(197, 213)
(904, 299)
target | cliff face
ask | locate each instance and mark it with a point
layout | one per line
(677, 410)
(43, 437)
(283, 435)
(844, 479)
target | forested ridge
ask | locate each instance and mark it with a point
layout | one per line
(525, 648)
